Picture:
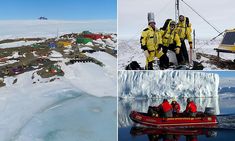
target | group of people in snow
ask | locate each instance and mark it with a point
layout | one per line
(156, 42)
(165, 109)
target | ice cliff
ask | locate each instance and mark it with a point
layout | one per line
(150, 84)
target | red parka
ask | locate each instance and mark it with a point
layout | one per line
(191, 107)
(166, 106)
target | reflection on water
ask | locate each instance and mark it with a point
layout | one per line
(126, 106)
(172, 134)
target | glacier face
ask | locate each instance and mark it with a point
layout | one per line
(151, 84)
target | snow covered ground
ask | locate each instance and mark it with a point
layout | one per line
(55, 56)
(130, 50)
(110, 67)
(25, 107)
(207, 47)
(49, 28)
(88, 77)
(158, 84)
(18, 44)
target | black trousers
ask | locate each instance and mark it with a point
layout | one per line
(184, 52)
(164, 62)
(150, 66)
(172, 47)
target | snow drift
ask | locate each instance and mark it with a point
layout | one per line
(150, 84)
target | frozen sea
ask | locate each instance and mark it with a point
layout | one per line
(72, 116)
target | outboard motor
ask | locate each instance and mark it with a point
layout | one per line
(210, 111)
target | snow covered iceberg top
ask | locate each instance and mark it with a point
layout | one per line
(150, 84)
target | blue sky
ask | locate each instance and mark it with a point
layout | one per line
(58, 9)
(224, 73)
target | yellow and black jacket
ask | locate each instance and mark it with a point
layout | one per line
(170, 37)
(150, 40)
(184, 30)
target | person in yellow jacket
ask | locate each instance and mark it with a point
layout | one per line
(184, 31)
(171, 40)
(151, 43)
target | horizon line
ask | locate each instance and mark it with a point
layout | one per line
(59, 20)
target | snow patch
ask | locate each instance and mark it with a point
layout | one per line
(55, 56)
(99, 41)
(110, 43)
(85, 48)
(89, 44)
(18, 44)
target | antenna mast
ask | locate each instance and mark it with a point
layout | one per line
(201, 16)
(177, 10)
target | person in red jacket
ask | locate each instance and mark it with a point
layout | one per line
(176, 107)
(191, 108)
(166, 108)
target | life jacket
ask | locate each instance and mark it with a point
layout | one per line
(166, 106)
(191, 107)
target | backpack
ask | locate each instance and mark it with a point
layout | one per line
(187, 22)
(134, 65)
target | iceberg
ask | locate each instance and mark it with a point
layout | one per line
(159, 84)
